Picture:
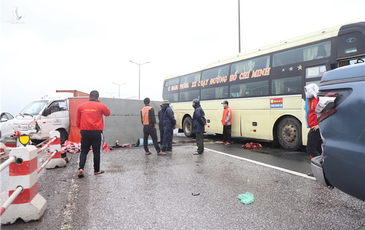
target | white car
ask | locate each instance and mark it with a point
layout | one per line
(6, 124)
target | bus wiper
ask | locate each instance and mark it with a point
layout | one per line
(21, 114)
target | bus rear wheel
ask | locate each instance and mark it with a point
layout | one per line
(187, 125)
(289, 133)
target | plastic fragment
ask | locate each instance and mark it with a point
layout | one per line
(246, 198)
(252, 145)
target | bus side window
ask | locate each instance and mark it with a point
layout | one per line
(321, 52)
(277, 62)
(287, 85)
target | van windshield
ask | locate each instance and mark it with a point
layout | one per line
(33, 108)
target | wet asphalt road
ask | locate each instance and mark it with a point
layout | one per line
(155, 192)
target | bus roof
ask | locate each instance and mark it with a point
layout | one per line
(289, 43)
(171, 76)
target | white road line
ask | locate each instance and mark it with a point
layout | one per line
(266, 165)
(70, 207)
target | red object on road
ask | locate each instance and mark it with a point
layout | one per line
(252, 145)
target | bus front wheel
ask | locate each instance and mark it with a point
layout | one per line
(289, 133)
(187, 125)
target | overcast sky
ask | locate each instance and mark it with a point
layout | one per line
(87, 45)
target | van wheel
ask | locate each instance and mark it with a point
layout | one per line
(63, 135)
(187, 125)
(289, 133)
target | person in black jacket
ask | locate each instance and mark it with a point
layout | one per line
(160, 124)
(198, 126)
(169, 124)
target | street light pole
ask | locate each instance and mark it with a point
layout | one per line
(118, 87)
(110, 94)
(139, 76)
(239, 28)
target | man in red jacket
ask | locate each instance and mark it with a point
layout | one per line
(89, 120)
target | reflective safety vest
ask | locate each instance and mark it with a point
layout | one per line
(145, 115)
(227, 116)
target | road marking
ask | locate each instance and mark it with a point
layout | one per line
(70, 207)
(266, 165)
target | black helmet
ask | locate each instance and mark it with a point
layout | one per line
(196, 101)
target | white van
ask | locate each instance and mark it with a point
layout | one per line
(42, 116)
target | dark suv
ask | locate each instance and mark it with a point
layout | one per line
(341, 118)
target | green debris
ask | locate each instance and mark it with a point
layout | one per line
(246, 198)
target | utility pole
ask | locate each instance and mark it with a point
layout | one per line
(239, 28)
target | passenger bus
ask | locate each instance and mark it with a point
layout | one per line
(265, 87)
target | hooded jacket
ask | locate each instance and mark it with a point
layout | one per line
(311, 102)
(168, 119)
(198, 120)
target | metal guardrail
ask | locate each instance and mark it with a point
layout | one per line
(10, 200)
(47, 161)
(7, 163)
(46, 145)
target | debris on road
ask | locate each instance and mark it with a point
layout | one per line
(246, 198)
(140, 142)
(73, 147)
(252, 145)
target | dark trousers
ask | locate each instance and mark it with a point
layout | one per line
(161, 136)
(226, 133)
(150, 131)
(167, 140)
(200, 142)
(94, 139)
(314, 143)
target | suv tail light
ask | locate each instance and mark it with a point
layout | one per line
(325, 107)
(325, 115)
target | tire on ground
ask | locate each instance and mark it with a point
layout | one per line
(289, 133)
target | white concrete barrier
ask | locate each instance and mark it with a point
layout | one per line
(28, 205)
(57, 160)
